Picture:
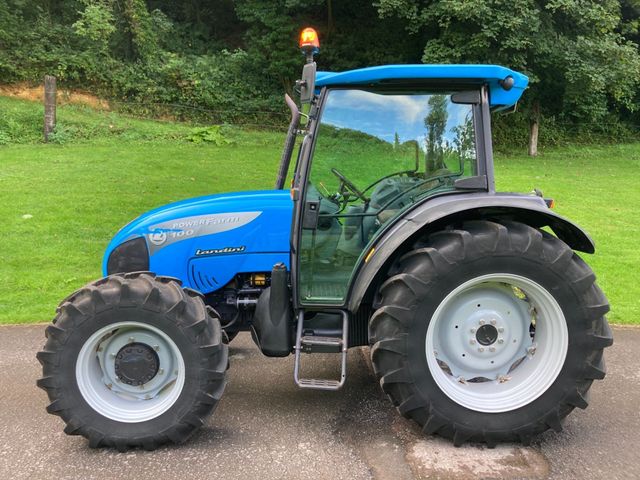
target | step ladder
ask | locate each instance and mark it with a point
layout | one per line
(321, 344)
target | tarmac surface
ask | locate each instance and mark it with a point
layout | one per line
(266, 428)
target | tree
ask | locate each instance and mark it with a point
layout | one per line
(581, 67)
(96, 23)
(436, 123)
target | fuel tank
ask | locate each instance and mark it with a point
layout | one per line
(206, 241)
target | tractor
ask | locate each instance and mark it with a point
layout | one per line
(386, 231)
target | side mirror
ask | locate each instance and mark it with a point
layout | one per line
(466, 97)
(308, 82)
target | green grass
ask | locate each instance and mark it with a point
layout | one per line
(113, 168)
(599, 189)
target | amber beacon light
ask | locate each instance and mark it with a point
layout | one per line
(309, 43)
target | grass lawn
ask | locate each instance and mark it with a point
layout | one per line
(60, 204)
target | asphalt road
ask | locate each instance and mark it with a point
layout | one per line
(266, 428)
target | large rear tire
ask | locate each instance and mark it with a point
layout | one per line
(489, 333)
(134, 360)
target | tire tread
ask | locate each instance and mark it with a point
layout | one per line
(410, 277)
(153, 293)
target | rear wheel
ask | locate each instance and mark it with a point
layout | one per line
(134, 360)
(493, 332)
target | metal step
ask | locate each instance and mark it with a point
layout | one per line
(318, 344)
(321, 344)
(319, 384)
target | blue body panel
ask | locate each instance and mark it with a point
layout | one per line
(206, 241)
(489, 74)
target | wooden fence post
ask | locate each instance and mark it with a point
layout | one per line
(49, 105)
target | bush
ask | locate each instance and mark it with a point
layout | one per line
(5, 139)
(212, 134)
(512, 131)
(63, 134)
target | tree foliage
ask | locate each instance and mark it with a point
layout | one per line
(232, 59)
(436, 124)
(581, 66)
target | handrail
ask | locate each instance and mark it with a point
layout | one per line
(289, 143)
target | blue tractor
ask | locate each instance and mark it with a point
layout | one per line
(483, 323)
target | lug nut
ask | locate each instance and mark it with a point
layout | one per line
(472, 342)
(500, 340)
(160, 371)
(131, 339)
(481, 349)
(156, 348)
(481, 322)
(493, 321)
(473, 330)
(112, 355)
(500, 329)
(492, 349)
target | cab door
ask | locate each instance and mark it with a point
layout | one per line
(375, 153)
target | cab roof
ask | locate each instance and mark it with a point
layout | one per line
(491, 75)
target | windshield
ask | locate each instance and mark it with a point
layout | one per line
(376, 153)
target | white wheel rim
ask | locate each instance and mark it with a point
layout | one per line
(106, 393)
(515, 368)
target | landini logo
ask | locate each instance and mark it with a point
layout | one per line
(219, 251)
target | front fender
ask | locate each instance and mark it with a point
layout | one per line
(438, 212)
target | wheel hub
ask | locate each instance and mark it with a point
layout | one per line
(487, 335)
(136, 364)
(485, 332)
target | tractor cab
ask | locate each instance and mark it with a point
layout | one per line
(378, 141)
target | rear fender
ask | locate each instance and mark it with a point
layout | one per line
(439, 212)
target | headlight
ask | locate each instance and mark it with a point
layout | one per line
(130, 256)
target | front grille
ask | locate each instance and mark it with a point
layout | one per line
(130, 256)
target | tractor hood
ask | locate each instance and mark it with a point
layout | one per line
(234, 226)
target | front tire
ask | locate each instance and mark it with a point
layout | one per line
(134, 360)
(490, 333)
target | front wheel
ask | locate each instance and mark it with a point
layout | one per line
(134, 360)
(492, 332)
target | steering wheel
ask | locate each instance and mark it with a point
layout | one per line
(347, 184)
